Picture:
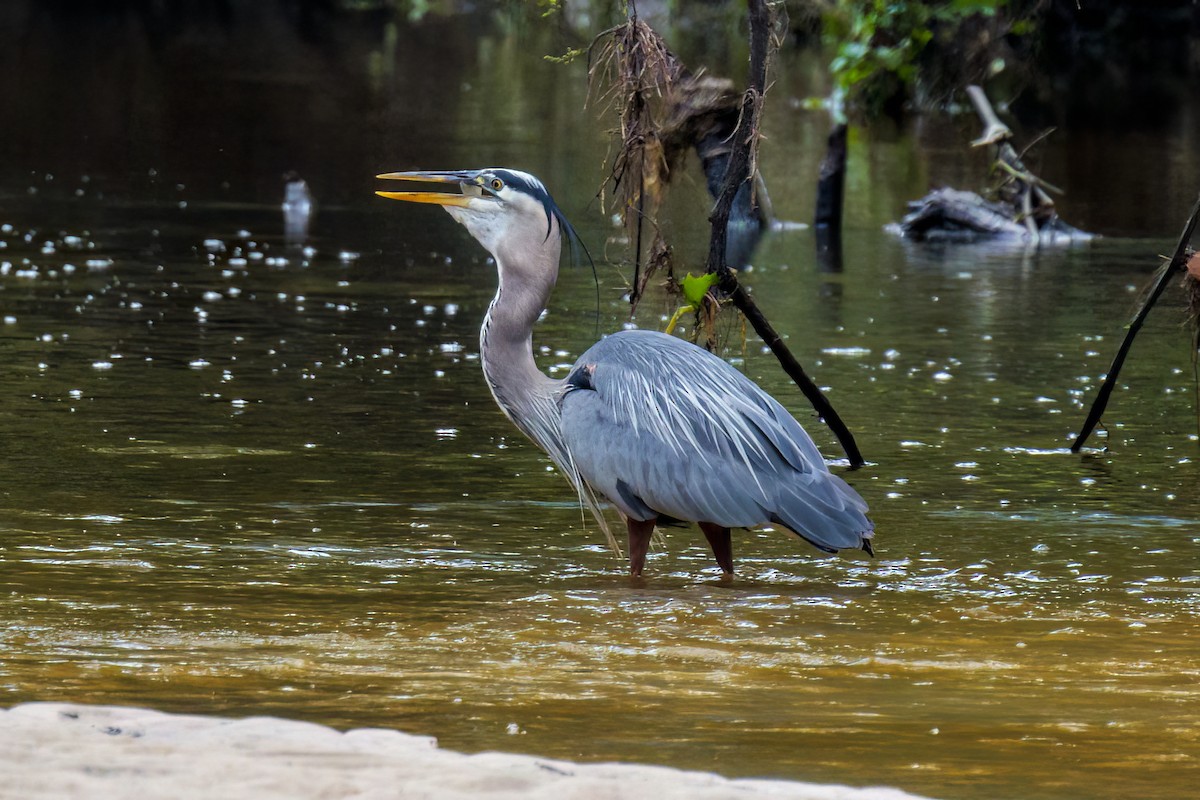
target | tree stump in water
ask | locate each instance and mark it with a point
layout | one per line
(831, 192)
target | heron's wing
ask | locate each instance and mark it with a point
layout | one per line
(660, 426)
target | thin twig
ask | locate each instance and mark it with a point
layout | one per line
(1027, 177)
(1177, 263)
(997, 133)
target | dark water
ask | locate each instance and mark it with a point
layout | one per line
(244, 478)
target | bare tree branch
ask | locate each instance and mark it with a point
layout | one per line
(738, 171)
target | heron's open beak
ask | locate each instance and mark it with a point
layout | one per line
(459, 187)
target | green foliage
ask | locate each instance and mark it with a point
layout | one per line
(567, 57)
(694, 288)
(878, 42)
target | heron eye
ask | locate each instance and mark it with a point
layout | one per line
(497, 184)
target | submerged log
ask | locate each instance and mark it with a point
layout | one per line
(953, 215)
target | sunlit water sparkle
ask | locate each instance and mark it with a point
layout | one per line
(245, 478)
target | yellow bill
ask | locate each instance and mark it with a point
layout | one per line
(457, 191)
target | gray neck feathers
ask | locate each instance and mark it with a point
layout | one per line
(528, 267)
(527, 397)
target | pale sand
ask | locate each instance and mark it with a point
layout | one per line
(66, 751)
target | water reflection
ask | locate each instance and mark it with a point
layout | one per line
(245, 479)
(297, 210)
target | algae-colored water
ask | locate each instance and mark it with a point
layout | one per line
(244, 478)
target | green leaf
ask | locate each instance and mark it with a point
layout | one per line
(695, 288)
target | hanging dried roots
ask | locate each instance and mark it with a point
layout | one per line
(664, 111)
(638, 68)
(702, 112)
(1191, 287)
(661, 259)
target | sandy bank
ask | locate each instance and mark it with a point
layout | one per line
(65, 751)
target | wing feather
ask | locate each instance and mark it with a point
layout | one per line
(661, 426)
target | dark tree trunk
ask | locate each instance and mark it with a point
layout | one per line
(831, 193)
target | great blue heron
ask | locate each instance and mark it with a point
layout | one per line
(663, 429)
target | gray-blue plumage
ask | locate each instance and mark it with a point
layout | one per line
(663, 429)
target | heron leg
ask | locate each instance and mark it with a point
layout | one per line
(721, 542)
(640, 532)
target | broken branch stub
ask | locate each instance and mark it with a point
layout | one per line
(1023, 190)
